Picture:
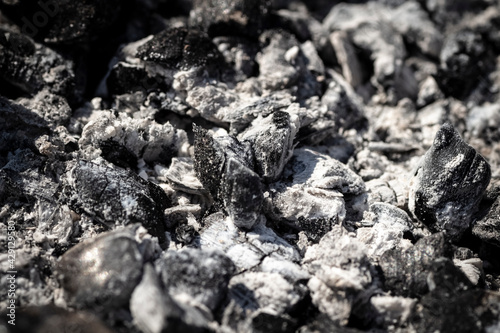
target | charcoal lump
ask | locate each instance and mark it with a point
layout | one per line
(448, 184)
(201, 274)
(115, 196)
(101, 271)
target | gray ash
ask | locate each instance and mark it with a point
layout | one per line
(249, 166)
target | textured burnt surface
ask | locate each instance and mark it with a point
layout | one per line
(249, 166)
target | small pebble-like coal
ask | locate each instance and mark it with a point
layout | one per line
(249, 166)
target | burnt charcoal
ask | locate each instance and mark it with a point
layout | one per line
(225, 168)
(203, 275)
(101, 272)
(223, 17)
(58, 21)
(14, 120)
(454, 306)
(155, 311)
(242, 194)
(125, 79)
(28, 175)
(117, 154)
(33, 67)
(406, 272)
(239, 53)
(272, 143)
(182, 176)
(488, 228)
(464, 61)
(448, 184)
(53, 319)
(180, 48)
(114, 196)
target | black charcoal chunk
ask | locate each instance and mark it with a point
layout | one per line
(448, 184)
(53, 319)
(488, 227)
(155, 311)
(31, 176)
(242, 194)
(180, 48)
(33, 67)
(202, 274)
(225, 17)
(14, 122)
(464, 62)
(406, 272)
(114, 196)
(272, 143)
(453, 306)
(59, 21)
(225, 168)
(101, 273)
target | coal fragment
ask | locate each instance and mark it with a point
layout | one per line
(464, 61)
(114, 196)
(14, 120)
(406, 272)
(180, 48)
(225, 168)
(448, 184)
(202, 274)
(223, 17)
(101, 272)
(488, 227)
(59, 21)
(272, 143)
(33, 67)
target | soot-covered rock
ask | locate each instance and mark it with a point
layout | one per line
(202, 274)
(223, 17)
(448, 184)
(32, 67)
(101, 273)
(114, 196)
(406, 273)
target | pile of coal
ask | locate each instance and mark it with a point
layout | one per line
(249, 166)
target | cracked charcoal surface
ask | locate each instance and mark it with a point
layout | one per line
(250, 165)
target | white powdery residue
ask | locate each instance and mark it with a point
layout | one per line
(129, 204)
(454, 162)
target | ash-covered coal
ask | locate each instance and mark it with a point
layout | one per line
(249, 166)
